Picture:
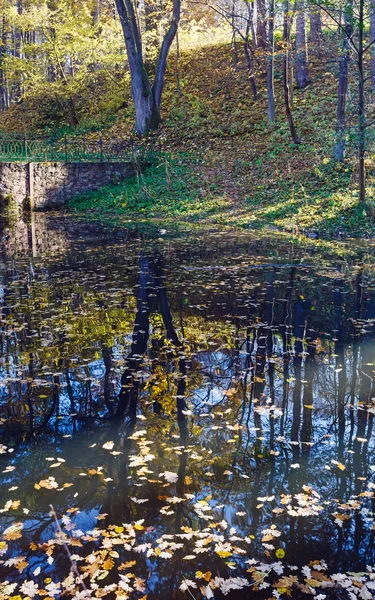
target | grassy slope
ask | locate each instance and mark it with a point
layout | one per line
(225, 164)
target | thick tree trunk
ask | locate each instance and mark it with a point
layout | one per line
(261, 24)
(302, 69)
(270, 63)
(339, 151)
(286, 39)
(315, 26)
(146, 98)
(146, 113)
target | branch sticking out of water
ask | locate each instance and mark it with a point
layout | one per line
(73, 562)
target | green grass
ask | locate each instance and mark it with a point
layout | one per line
(324, 201)
(170, 190)
(167, 188)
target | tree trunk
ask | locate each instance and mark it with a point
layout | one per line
(250, 69)
(372, 35)
(146, 113)
(339, 151)
(361, 108)
(286, 39)
(315, 26)
(7, 43)
(302, 70)
(261, 24)
(146, 98)
(270, 63)
(18, 35)
(161, 65)
(4, 96)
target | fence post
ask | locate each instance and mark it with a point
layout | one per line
(66, 148)
(101, 147)
(25, 141)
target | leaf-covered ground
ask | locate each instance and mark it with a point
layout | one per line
(222, 162)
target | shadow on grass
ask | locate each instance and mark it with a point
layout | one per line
(325, 200)
(322, 200)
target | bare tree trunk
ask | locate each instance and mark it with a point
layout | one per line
(4, 101)
(270, 63)
(372, 35)
(302, 69)
(339, 151)
(146, 113)
(234, 43)
(250, 9)
(290, 77)
(286, 39)
(247, 48)
(261, 24)
(361, 107)
(161, 65)
(146, 97)
(6, 46)
(250, 69)
(17, 35)
(234, 31)
(315, 27)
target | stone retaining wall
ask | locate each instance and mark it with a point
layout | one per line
(50, 185)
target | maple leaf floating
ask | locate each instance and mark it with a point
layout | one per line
(29, 588)
(170, 477)
(108, 445)
(14, 532)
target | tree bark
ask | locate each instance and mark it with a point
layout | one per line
(339, 151)
(286, 39)
(270, 63)
(361, 108)
(302, 69)
(4, 98)
(146, 97)
(315, 27)
(161, 65)
(146, 113)
(250, 69)
(261, 24)
(372, 34)
(5, 50)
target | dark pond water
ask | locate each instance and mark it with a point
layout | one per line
(198, 411)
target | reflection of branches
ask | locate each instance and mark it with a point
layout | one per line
(65, 546)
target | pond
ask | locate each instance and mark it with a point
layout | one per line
(184, 415)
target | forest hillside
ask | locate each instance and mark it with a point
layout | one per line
(222, 159)
(225, 163)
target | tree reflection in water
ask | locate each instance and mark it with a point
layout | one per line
(220, 387)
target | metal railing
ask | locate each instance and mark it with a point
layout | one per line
(29, 148)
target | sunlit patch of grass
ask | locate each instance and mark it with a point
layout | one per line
(167, 188)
